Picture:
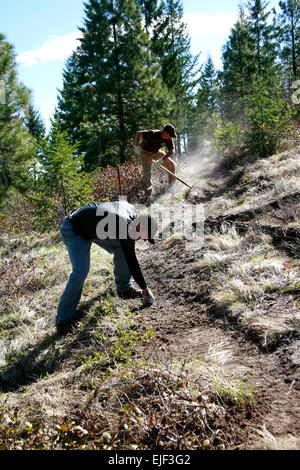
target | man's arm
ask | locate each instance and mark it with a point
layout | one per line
(138, 137)
(170, 147)
(168, 154)
(133, 264)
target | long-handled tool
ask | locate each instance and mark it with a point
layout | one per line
(119, 179)
(170, 173)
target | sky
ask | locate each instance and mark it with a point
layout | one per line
(45, 32)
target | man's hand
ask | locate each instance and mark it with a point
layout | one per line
(148, 297)
(168, 155)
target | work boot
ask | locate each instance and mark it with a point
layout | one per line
(65, 327)
(131, 293)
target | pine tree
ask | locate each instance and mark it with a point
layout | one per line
(253, 97)
(238, 69)
(263, 38)
(36, 127)
(206, 105)
(34, 123)
(150, 11)
(179, 68)
(207, 95)
(118, 85)
(73, 100)
(15, 147)
(269, 117)
(61, 184)
(289, 38)
(249, 55)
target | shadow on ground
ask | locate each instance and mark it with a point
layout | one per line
(44, 358)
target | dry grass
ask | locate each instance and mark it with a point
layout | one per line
(254, 284)
(105, 386)
(90, 389)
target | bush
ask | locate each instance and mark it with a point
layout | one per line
(106, 186)
(269, 117)
(44, 209)
(229, 137)
(58, 183)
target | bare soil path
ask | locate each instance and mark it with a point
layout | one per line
(187, 326)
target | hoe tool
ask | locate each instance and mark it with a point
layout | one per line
(170, 173)
(119, 180)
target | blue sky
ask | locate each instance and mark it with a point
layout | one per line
(44, 32)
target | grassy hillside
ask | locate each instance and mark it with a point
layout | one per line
(213, 364)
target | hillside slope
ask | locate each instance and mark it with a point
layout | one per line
(213, 364)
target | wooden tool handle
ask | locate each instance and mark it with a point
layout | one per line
(119, 179)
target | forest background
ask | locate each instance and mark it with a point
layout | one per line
(133, 69)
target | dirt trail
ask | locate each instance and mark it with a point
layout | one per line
(187, 324)
(186, 327)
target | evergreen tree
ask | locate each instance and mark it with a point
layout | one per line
(36, 126)
(238, 69)
(206, 105)
(269, 117)
(207, 95)
(171, 44)
(15, 147)
(150, 11)
(289, 38)
(34, 123)
(253, 98)
(248, 56)
(117, 84)
(262, 33)
(61, 183)
(73, 99)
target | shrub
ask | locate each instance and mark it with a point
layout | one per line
(106, 186)
(229, 136)
(269, 119)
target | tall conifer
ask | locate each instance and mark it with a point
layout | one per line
(289, 38)
(15, 147)
(118, 88)
(171, 44)
(249, 55)
(262, 33)
(238, 68)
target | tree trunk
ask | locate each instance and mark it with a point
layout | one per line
(120, 104)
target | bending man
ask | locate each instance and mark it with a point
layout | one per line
(115, 227)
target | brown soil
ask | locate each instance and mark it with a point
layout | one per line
(187, 324)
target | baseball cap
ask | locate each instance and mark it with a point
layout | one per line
(170, 129)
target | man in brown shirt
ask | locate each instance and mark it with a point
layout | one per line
(152, 141)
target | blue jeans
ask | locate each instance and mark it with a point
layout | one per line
(79, 253)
